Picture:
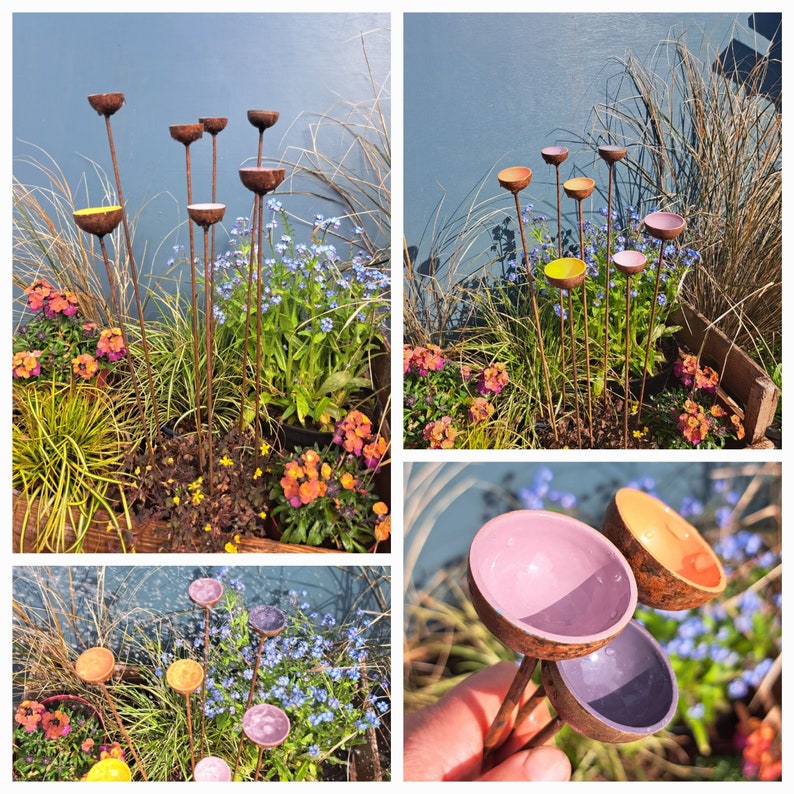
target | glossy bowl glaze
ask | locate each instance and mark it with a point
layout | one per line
(205, 592)
(95, 665)
(580, 187)
(184, 676)
(212, 769)
(664, 225)
(98, 220)
(266, 725)
(619, 693)
(566, 273)
(674, 566)
(515, 178)
(629, 262)
(548, 585)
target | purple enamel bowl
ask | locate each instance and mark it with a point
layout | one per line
(548, 585)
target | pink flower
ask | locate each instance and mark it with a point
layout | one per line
(492, 379)
(26, 364)
(111, 344)
(441, 434)
(480, 410)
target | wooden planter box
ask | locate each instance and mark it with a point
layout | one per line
(744, 387)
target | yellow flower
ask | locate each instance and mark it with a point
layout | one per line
(176, 499)
(230, 548)
(263, 514)
(208, 527)
(197, 497)
(226, 461)
(640, 433)
(264, 448)
(196, 484)
(257, 473)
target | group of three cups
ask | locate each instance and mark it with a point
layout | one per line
(564, 594)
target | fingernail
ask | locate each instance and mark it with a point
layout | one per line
(547, 764)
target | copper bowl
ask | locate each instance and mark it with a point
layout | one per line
(515, 178)
(554, 155)
(579, 187)
(664, 225)
(186, 133)
(621, 693)
(262, 180)
(213, 124)
(262, 119)
(206, 214)
(184, 676)
(629, 262)
(566, 273)
(95, 665)
(611, 154)
(106, 104)
(674, 566)
(98, 220)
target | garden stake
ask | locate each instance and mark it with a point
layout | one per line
(95, 666)
(266, 621)
(100, 221)
(549, 587)
(515, 180)
(106, 105)
(622, 693)
(265, 726)
(610, 155)
(206, 215)
(262, 120)
(556, 155)
(213, 125)
(260, 181)
(579, 189)
(663, 226)
(205, 593)
(567, 274)
(186, 676)
(187, 134)
(628, 263)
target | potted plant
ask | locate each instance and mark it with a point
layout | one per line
(59, 738)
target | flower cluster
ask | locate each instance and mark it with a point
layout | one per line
(691, 416)
(59, 341)
(321, 672)
(442, 399)
(324, 319)
(326, 497)
(58, 740)
(762, 750)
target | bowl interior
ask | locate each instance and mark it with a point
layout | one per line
(628, 684)
(629, 261)
(554, 151)
(664, 222)
(579, 183)
(205, 592)
(670, 539)
(266, 725)
(565, 268)
(553, 576)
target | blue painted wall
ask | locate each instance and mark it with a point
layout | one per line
(173, 68)
(486, 91)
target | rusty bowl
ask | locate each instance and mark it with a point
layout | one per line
(262, 180)
(549, 586)
(566, 273)
(579, 187)
(620, 693)
(184, 676)
(186, 133)
(554, 155)
(515, 178)
(95, 665)
(106, 104)
(664, 225)
(205, 592)
(674, 566)
(629, 262)
(213, 124)
(267, 620)
(205, 215)
(266, 725)
(611, 154)
(98, 220)
(263, 119)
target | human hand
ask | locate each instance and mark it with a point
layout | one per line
(445, 741)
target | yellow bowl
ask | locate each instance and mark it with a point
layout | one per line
(566, 273)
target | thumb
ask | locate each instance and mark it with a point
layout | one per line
(544, 763)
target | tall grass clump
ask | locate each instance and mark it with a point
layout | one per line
(711, 148)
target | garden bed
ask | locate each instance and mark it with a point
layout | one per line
(744, 387)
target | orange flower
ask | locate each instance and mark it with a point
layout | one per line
(85, 366)
(380, 508)
(348, 481)
(382, 529)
